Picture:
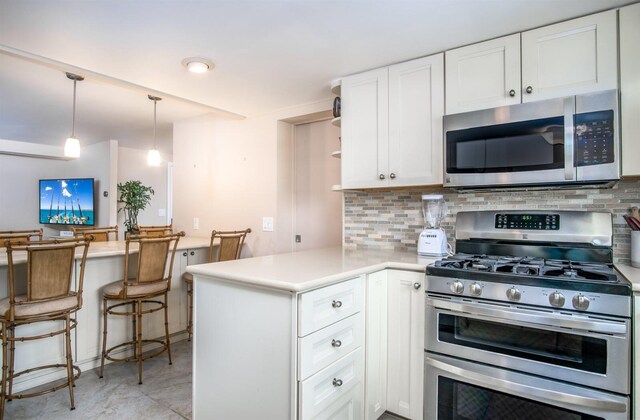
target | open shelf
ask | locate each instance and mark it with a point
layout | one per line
(336, 187)
(337, 121)
(335, 87)
(337, 154)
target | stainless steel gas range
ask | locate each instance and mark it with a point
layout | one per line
(528, 320)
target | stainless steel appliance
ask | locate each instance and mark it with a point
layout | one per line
(529, 319)
(571, 140)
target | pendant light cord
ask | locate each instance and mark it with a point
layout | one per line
(73, 118)
(155, 123)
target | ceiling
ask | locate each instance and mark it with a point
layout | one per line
(269, 54)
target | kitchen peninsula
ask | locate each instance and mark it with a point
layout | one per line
(290, 336)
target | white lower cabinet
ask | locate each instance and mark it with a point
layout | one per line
(376, 345)
(405, 349)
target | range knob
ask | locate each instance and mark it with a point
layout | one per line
(556, 299)
(475, 289)
(580, 302)
(457, 287)
(514, 294)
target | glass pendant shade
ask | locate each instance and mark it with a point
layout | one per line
(72, 147)
(153, 157)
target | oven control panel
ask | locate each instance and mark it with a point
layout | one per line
(527, 221)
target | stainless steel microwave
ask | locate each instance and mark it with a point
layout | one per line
(570, 140)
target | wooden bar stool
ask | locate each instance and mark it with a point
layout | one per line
(229, 248)
(100, 234)
(152, 280)
(49, 297)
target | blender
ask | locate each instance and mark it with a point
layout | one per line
(433, 241)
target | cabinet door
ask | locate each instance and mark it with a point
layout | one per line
(416, 107)
(572, 57)
(406, 343)
(483, 75)
(630, 88)
(365, 131)
(376, 346)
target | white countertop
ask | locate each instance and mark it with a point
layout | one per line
(111, 248)
(306, 270)
(632, 274)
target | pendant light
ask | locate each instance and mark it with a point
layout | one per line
(72, 145)
(153, 158)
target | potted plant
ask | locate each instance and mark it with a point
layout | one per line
(133, 196)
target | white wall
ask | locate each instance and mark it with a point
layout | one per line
(132, 165)
(318, 209)
(229, 174)
(19, 184)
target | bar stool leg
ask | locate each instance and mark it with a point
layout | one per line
(4, 368)
(12, 351)
(67, 336)
(134, 311)
(139, 343)
(190, 310)
(166, 328)
(104, 335)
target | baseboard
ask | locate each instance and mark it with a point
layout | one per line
(37, 378)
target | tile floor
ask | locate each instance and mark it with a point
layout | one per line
(165, 393)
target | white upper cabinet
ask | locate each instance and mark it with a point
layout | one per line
(483, 75)
(569, 58)
(416, 107)
(392, 125)
(630, 88)
(365, 133)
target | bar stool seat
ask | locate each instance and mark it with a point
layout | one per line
(115, 290)
(30, 309)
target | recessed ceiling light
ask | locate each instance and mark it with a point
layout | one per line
(198, 64)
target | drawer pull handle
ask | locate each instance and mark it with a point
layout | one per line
(336, 304)
(337, 382)
(336, 343)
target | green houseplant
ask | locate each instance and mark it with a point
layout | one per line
(133, 197)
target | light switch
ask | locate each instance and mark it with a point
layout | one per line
(162, 213)
(267, 224)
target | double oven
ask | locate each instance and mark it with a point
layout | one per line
(546, 335)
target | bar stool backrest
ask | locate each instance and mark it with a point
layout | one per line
(100, 234)
(153, 254)
(19, 236)
(230, 244)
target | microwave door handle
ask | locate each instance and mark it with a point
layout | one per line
(569, 165)
(514, 388)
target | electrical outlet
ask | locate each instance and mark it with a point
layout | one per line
(298, 239)
(196, 223)
(267, 224)
(162, 212)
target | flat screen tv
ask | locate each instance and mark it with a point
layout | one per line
(67, 201)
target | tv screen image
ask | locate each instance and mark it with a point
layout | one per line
(67, 201)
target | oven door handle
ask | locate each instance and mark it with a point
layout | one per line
(603, 327)
(540, 394)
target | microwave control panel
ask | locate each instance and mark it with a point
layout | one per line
(528, 221)
(594, 138)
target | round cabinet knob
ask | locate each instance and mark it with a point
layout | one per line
(192, 253)
(529, 89)
(580, 302)
(475, 289)
(457, 287)
(336, 303)
(556, 299)
(337, 382)
(184, 254)
(514, 294)
(392, 175)
(382, 176)
(512, 93)
(417, 285)
(336, 343)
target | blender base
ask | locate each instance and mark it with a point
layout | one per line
(432, 243)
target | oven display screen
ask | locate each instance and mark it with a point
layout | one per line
(528, 221)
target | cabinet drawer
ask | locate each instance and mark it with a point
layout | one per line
(322, 390)
(318, 350)
(330, 304)
(347, 407)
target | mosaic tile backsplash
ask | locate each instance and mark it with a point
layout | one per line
(392, 219)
